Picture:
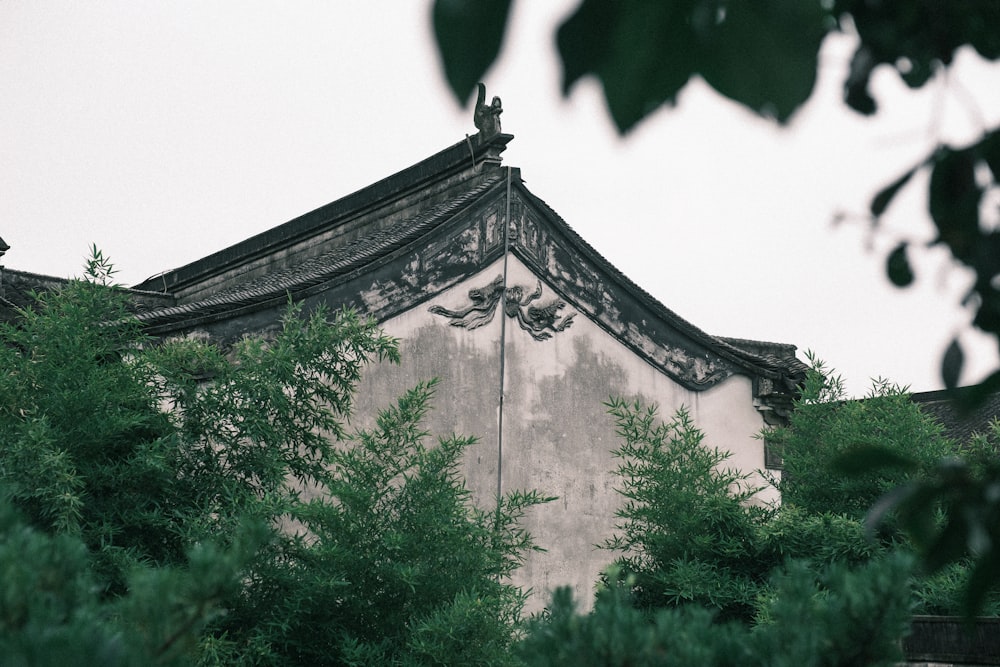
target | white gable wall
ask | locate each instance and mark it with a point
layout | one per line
(557, 435)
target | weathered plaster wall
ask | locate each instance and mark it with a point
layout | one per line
(466, 400)
(557, 436)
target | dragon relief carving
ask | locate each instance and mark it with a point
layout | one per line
(480, 312)
(539, 320)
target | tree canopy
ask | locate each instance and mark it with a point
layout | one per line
(170, 502)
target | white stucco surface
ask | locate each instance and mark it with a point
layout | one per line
(557, 436)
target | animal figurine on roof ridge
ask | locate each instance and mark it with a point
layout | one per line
(487, 116)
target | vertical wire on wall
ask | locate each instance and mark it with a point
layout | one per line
(503, 343)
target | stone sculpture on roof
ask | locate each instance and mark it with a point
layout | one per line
(487, 116)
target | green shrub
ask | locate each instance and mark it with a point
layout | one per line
(840, 616)
(825, 427)
(687, 531)
(181, 504)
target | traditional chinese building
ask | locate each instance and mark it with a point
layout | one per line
(528, 327)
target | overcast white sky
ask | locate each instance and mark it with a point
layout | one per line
(163, 131)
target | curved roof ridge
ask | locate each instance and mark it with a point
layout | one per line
(323, 267)
(769, 365)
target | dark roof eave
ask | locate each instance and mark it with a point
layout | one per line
(336, 265)
(466, 154)
(770, 367)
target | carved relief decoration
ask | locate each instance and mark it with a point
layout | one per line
(693, 370)
(480, 311)
(528, 234)
(540, 319)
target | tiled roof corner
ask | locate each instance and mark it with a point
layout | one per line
(17, 290)
(959, 425)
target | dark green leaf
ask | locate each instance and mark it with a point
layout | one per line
(970, 398)
(951, 365)
(950, 544)
(584, 40)
(984, 578)
(986, 266)
(919, 72)
(763, 54)
(856, 93)
(642, 52)
(866, 458)
(917, 511)
(898, 267)
(982, 29)
(468, 34)
(886, 504)
(954, 201)
(760, 54)
(989, 150)
(881, 201)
